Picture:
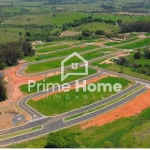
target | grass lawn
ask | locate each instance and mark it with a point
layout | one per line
(45, 44)
(122, 42)
(131, 132)
(56, 79)
(104, 105)
(33, 68)
(51, 106)
(62, 53)
(147, 34)
(97, 26)
(143, 61)
(126, 70)
(9, 135)
(143, 42)
(48, 49)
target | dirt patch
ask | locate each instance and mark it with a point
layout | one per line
(130, 13)
(107, 62)
(9, 106)
(6, 123)
(99, 44)
(69, 33)
(7, 114)
(142, 36)
(12, 108)
(51, 74)
(17, 81)
(132, 108)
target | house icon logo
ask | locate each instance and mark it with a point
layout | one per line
(74, 65)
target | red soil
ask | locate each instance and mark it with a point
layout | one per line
(16, 81)
(132, 108)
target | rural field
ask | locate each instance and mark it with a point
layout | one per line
(110, 46)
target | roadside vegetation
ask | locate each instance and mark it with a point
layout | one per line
(3, 89)
(56, 79)
(104, 105)
(62, 53)
(122, 133)
(141, 43)
(10, 53)
(9, 135)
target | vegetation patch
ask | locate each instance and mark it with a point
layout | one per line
(33, 68)
(58, 106)
(14, 134)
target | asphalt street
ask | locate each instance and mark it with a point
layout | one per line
(55, 123)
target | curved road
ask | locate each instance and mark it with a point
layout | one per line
(55, 123)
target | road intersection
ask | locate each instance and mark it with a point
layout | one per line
(54, 123)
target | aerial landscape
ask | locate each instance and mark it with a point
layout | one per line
(74, 73)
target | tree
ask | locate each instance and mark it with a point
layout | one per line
(11, 52)
(99, 32)
(147, 53)
(86, 33)
(138, 55)
(20, 34)
(3, 90)
(61, 139)
(108, 144)
(28, 34)
(64, 28)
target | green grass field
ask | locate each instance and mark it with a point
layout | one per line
(104, 105)
(62, 53)
(39, 46)
(56, 79)
(59, 19)
(122, 42)
(48, 49)
(8, 37)
(33, 68)
(138, 44)
(97, 26)
(143, 61)
(58, 106)
(126, 70)
(130, 132)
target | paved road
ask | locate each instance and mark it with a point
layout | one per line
(20, 72)
(73, 112)
(142, 81)
(118, 45)
(55, 123)
(50, 126)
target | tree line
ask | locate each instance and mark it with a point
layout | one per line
(131, 63)
(138, 26)
(86, 20)
(3, 90)
(11, 52)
